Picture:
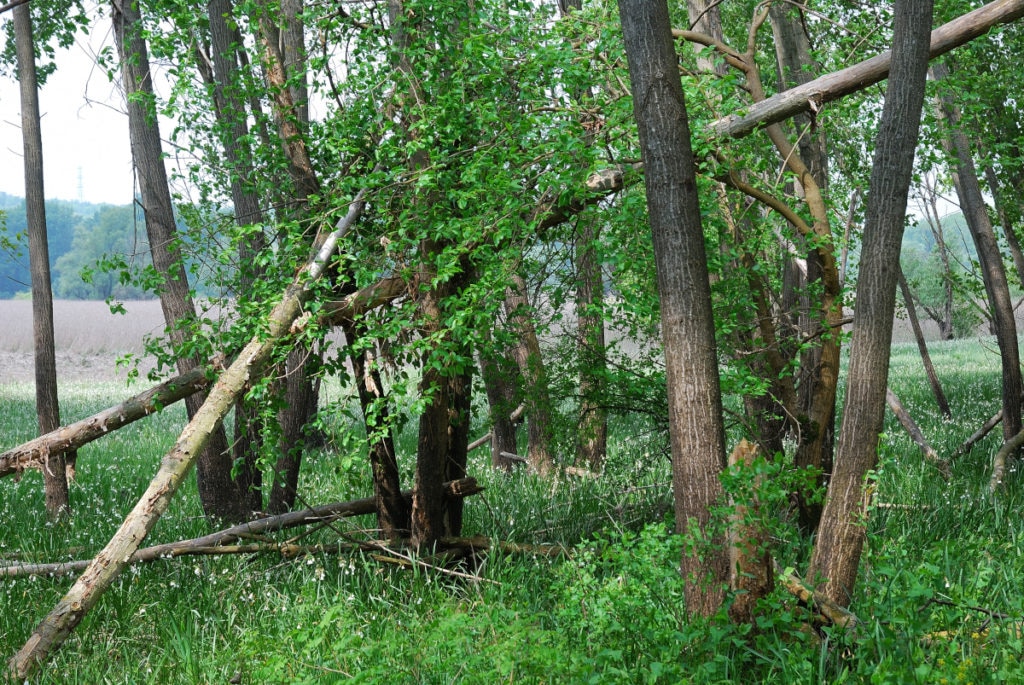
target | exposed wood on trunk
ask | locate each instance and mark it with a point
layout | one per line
(852, 79)
(35, 453)
(327, 512)
(909, 425)
(108, 564)
(751, 576)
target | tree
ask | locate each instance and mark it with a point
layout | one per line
(840, 540)
(47, 403)
(220, 495)
(688, 333)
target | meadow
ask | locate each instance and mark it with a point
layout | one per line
(939, 594)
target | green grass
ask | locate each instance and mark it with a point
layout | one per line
(609, 614)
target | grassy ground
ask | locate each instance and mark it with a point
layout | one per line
(939, 592)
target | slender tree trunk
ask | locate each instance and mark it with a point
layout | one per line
(922, 347)
(688, 332)
(965, 179)
(840, 540)
(55, 480)
(219, 494)
(592, 436)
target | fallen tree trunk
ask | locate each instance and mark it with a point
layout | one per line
(108, 564)
(813, 94)
(34, 453)
(979, 434)
(909, 425)
(464, 487)
(830, 612)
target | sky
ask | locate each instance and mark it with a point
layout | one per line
(86, 152)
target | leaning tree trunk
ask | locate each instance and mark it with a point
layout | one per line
(841, 534)
(922, 346)
(218, 493)
(688, 331)
(55, 479)
(968, 189)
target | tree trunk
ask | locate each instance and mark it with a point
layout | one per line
(35, 453)
(688, 333)
(592, 435)
(218, 493)
(497, 372)
(539, 424)
(965, 179)
(922, 347)
(55, 481)
(837, 550)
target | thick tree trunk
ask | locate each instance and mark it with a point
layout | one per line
(840, 540)
(688, 333)
(968, 189)
(219, 494)
(35, 453)
(55, 481)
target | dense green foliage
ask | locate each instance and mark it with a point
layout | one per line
(939, 599)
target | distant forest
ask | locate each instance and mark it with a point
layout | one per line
(97, 251)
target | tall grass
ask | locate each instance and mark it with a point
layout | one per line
(939, 589)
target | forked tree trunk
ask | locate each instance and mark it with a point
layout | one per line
(837, 550)
(688, 332)
(55, 481)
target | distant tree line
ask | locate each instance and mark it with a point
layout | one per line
(97, 251)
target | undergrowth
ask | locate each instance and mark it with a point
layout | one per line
(938, 594)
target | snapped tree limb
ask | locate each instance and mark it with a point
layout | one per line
(840, 83)
(34, 453)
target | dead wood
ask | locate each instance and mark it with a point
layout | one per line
(999, 460)
(979, 434)
(909, 425)
(829, 612)
(221, 540)
(34, 453)
(812, 95)
(249, 365)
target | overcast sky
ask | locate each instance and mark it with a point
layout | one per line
(84, 127)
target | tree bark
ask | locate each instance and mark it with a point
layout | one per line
(694, 395)
(218, 493)
(497, 372)
(530, 359)
(922, 347)
(840, 540)
(35, 453)
(968, 189)
(592, 435)
(55, 481)
(833, 86)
